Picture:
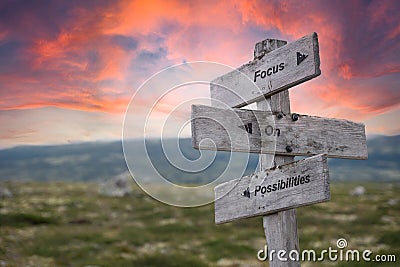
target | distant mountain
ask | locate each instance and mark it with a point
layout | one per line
(73, 162)
(383, 162)
(94, 161)
(100, 160)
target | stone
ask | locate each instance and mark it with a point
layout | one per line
(4, 192)
(117, 186)
(358, 191)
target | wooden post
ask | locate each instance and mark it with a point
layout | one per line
(280, 228)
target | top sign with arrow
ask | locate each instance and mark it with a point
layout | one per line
(276, 71)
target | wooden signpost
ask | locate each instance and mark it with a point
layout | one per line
(274, 191)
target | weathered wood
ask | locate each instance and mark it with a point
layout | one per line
(281, 234)
(276, 71)
(280, 228)
(296, 135)
(266, 46)
(296, 184)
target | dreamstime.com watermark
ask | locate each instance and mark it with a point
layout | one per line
(330, 254)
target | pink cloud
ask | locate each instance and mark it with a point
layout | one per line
(92, 57)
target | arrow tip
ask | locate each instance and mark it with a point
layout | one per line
(248, 127)
(300, 57)
(246, 193)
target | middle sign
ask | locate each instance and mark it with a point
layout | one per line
(263, 132)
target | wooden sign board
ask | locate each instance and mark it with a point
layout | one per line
(257, 131)
(276, 71)
(292, 185)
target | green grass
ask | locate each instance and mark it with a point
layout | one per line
(225, 248)
(24, 219)
(173, 260)
(69, 224)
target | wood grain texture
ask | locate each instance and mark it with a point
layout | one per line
(266, 46)
(225, 130)
(280, 228)
(282, 71)
(311, 186)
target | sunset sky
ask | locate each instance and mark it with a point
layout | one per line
(69, 68)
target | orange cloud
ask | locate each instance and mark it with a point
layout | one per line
(93, 56)
(345, 71)
(100, 105)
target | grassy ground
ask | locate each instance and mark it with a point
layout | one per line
(69, 224)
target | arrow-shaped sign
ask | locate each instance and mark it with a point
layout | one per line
(276, 71)
(293, 134)
(296, 184)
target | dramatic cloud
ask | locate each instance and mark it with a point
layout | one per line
(91, 56)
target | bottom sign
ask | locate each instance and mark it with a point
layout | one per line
(287, 186)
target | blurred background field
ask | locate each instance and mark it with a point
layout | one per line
(54, 215)
(70, 224)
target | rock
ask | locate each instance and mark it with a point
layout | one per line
(388, 219)
(358, 191)
(117, 186)
(393, 202)
(4, 192)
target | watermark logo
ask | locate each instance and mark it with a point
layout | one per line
(341, 243)
(340, 253)
(157, 125)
